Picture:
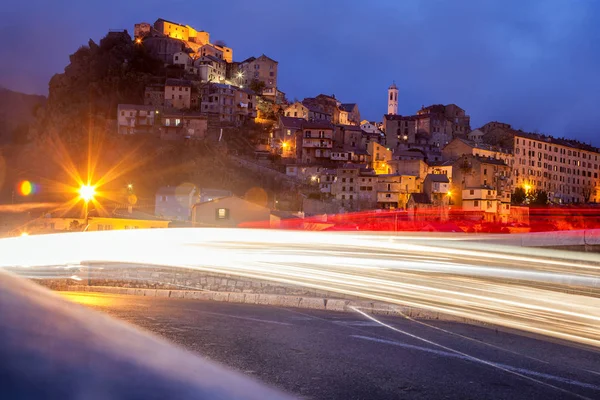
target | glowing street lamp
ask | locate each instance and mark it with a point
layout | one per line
(527, 188)
(87, 193)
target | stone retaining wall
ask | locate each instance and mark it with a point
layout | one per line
(142, 277)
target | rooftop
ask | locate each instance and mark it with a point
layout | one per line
(489, 160)
(178, 82)
(558, 141)
(440, 163)
(169, 22)
(420, 198)
(291, 122)
(137, 107)
(351, 127)
(483, 146)
(348, 106)
(135, 214)
(171, 190)
(317, 125)
(438, 178)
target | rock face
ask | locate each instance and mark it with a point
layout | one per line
(17, 111)
(97, 79)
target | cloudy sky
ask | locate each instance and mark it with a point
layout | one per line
(533, 64)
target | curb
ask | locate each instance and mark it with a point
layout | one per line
(311, 303)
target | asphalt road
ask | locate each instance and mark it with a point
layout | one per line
(326, 355)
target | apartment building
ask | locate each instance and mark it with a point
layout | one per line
(566, 169)
(354, 186)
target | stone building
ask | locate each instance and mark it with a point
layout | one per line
(137, 119)
(262, 69)
(178, 93)
(154, 95)
(306, 111)
(435, 125)
(471, 172)
(176, 125)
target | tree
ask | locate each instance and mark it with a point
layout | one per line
(539, 197)
(75, 226)
(587, 194)
(257, 86)
(519, 196)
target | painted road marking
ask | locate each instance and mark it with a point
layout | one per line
(467, 356)
(461, 357)
(266, 321)
(358, 323)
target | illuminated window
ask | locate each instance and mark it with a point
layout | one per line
(222, 213)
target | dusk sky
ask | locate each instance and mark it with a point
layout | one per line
(533, 64)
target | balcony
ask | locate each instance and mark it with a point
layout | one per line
(323, 145)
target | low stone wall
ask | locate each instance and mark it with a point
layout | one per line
(143, 277)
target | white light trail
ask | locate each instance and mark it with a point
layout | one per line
(549, 292)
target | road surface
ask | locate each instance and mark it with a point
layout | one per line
(326, 355)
